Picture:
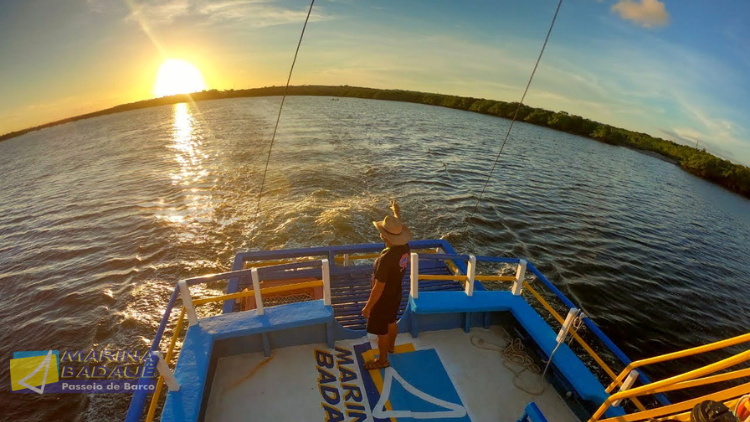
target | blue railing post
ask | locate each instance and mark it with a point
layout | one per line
(233, 284)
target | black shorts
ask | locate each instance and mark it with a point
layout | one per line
(383, 313)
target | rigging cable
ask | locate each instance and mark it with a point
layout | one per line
(519, 105)
(278, 117)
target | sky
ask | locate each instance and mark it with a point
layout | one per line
(675, 69)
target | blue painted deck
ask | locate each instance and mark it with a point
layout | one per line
(566, 362)
(195, 357)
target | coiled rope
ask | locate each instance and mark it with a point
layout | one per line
(278, 117)
(531, 78)
(515, 356)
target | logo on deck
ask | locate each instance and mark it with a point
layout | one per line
(342, 396)
(451, 410)
(415, 386)
(34, 370)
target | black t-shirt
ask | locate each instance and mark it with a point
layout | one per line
(390, 268)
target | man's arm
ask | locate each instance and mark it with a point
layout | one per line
(375, 293)
(396, 209)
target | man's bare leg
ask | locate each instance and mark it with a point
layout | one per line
(383, 343)
(392, 333)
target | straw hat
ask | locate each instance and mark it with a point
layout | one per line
(394, 230)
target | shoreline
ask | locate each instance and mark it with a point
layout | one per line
(731, 176)
(655, 155)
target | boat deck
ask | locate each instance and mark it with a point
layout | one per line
(439, 376)
(287, 359)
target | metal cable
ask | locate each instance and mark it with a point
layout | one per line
(554, 18)
(278, 117)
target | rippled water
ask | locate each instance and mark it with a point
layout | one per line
(99, 218)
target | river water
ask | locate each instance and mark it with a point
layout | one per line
(99, 218)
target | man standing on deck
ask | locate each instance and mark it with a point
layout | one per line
(382, 307)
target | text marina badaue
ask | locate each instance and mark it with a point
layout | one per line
(107, 364)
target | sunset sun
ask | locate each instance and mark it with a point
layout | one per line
(178, 77)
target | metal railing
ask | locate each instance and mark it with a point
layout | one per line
(182, 289)
(468, 279)
(270, 265)
(695, 378)
(519, 283)
(338, 256)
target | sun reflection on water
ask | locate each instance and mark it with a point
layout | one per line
(191, 175)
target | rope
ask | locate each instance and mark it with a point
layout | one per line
(514, 353)
(281, 107)
(554, 18)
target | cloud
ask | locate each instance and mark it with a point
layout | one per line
(253, 13)
(647, 13)
(693, 138)
(159, 12)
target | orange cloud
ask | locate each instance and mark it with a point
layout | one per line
(647, 13)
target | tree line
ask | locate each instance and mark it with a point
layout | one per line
(732, 176)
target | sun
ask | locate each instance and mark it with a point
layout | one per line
(178, 77)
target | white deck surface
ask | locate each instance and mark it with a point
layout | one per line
(289, 386)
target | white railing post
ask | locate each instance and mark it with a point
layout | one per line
(256, 289)
(520, 274)
(187, 302)
(164, 371)
(572, 315)
(326, 268)
(632, 376)
(470, 271)
(414, 275)
(346, 259)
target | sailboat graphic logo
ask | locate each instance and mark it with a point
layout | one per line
(34, 370)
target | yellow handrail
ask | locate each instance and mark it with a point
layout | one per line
(443, 277)
(722, 395)
(452, 266)
(687, 380)
(260, 264)
(160, 381)
(463, 277)
(741, 373)
(375, 255)
(265, 290)
(681, 354)
(660, 386)
(495, 278)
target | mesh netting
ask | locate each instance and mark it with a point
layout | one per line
(282, 300)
